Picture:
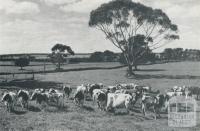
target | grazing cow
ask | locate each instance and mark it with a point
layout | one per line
(23, 97)
(59, 98)
(51, 90)
(91, 87)
(40, 97)
(118, 100)
(157, 102)
(56, 96)
(126, 86)
(194, 90)
(82, 88)
(9, 99)
(79, 97)
(146, 88)
(101, 100)
(67, 89)
(177, 89)
(100, 97)
(172, 93)
(121, 86)
(112, 89)
(40, 90)
(187, 92)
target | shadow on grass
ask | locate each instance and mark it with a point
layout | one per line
(149, 70)
(53, 107)
(31, 84)
(141, 117)
(161, 76)
(88, 108)
(135, 110)
(33, 108)
(18, 112)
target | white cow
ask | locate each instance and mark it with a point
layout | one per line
(118, 101)
(82, 88)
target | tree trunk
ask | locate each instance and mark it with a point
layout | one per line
(21, 68)
(58, 65)
(136, 67)
(130, 70)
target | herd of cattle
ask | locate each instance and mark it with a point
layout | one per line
(108, 98)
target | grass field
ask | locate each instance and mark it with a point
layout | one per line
(159, 76)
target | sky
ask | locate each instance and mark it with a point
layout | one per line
(34, 26)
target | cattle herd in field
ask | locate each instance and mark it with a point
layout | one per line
(108, 98)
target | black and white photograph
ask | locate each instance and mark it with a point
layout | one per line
(99, 65)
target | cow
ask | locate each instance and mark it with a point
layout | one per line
(127, 86)
(40, 97)
(9, 99)
(23, 97)
(100, 97)
(156, 102)
(112, 89)
(194, 90)
(91, 87)
(67, 89)
(177, 89)
(172, 93)
(118, 101)
(51, 90)
(56, 96)
(82, 88)
(122, 86)
(59, 97)
(79, 97)
(40, 90)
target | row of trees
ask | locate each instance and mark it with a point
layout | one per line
(106, 56)
(180, 54)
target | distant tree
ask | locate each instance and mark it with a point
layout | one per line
(133, 28)
(178, 53)
(97, 57)
(109, 56)
(22, 62)
(59, 54)
(168, 54)
(147, 57)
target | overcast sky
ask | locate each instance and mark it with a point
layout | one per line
(34, 26)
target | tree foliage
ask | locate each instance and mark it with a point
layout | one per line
(133, 27)
(106, 56)
(59, 54)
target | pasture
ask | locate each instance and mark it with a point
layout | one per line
(158, 76)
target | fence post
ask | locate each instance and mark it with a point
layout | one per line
(33, 77)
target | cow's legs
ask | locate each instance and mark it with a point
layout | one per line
(155, 110)
(143, 109)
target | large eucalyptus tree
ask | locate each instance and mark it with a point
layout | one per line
(133, 28)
